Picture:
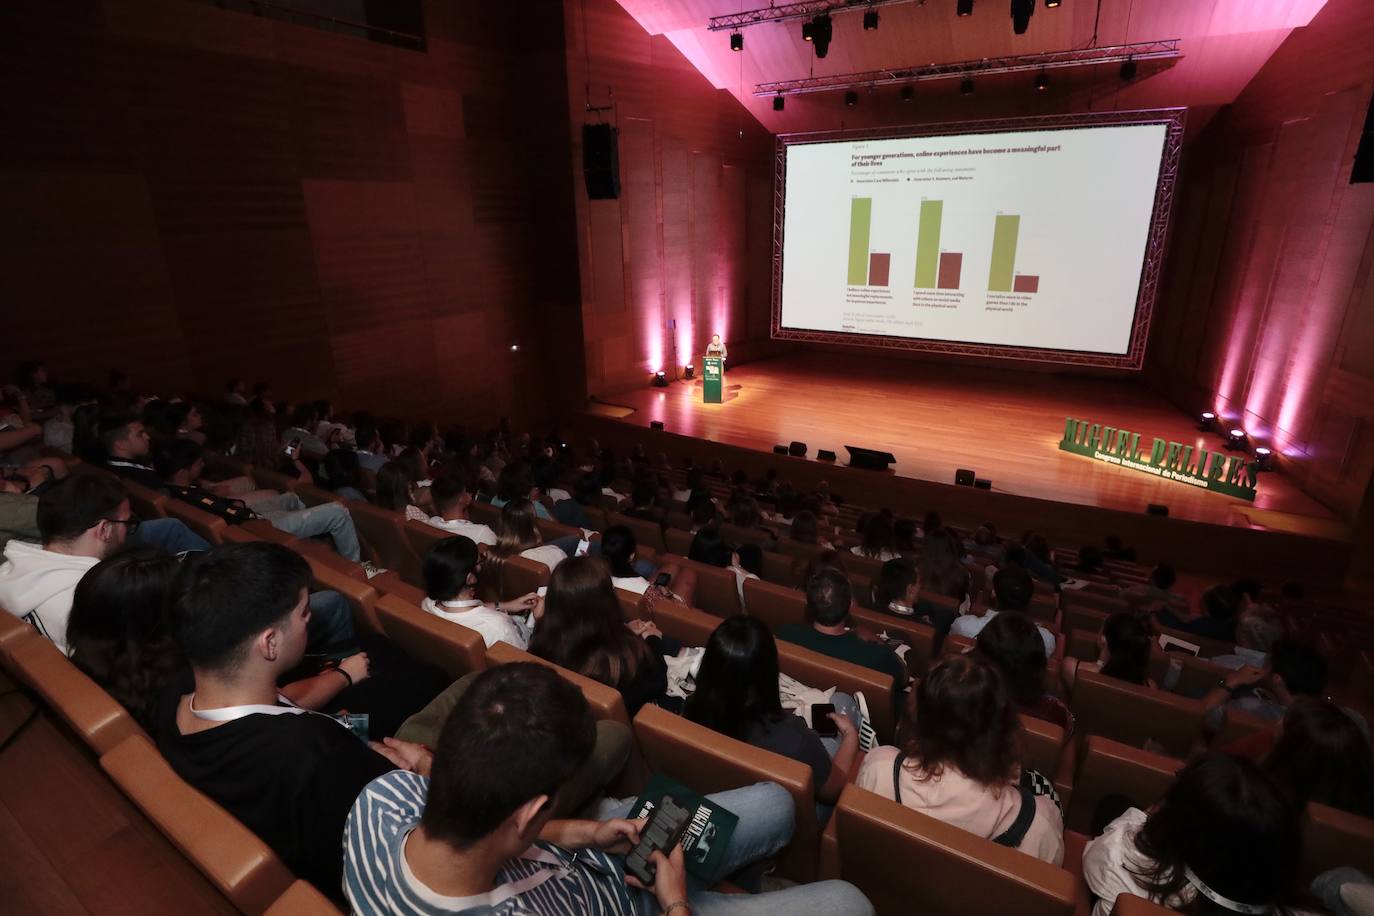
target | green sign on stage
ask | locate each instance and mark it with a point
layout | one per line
(1215, 471)
(712, 380)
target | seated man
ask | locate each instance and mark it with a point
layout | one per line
(1220, 607)
(476, 833)
(1012, 589)
(451, 502)
(128, 449)
(1158, 589)
(828, 599)
(180, 463)
(303, 423)
(239, 613)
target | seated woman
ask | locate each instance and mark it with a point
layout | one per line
(960, 763)
(1123, 652)
(396, 491)
(1322, 756)
(878, 541)
(1012, 642)
(518, 535)
(582, 629)
(710, 548)
(450, 571)
(1224, 839)
(737, 695)
(894, 589)
(806, 530)
(618, 549)
(339, 472)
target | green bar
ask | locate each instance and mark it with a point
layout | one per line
(1003, 253)
(860, 215)
(928, 243)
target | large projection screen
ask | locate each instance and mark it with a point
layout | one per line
(1032, 239)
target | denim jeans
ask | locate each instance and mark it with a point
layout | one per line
(330, 628)
(1329, 886)
(170, 535)
(287, 513)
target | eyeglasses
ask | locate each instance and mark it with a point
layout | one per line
(132, 521)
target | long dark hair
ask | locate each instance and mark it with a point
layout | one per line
(967, 721)
(878, 537)
(118, 631)
(582, 629)
(393, 486)
(618, 549)
(1012, 642)
(804, 529)
(1322, 756)
(1228, 822)
(737, 684)
(1128, 641)
(942, 567)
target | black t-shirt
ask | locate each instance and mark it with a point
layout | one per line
(136, 471)
(291, 779)
(789, 736)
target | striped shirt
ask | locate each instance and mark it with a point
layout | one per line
(546, 880)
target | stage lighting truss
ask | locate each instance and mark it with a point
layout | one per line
(1168, 49)
(806, 9)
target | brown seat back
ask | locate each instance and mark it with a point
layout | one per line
(301, 899)
(381, 529)
(677, 541)
(955, 644)
(775, 605)
(421, 537)
(823, 672)
(1132, 714)
(388, 583)
(1081, 619)
(605, 701)
(430, 639)
(1107, 767)
(1131, 905)
(797, 550)
(908, 862)
(738, 534)
(1043, 743)
(710, 762)
(1332, 838)
(686, 624)
(484, 513)
(238, 863)
(361, 597)
(146, 503)
(210, 527)
(717, 590)
(777, 568)
(646, 533)
(520, 576)
(91, 712)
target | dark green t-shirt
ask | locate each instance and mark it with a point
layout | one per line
(848, 648)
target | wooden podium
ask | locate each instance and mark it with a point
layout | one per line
(712, 380)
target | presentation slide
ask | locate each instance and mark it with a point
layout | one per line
(1026, 239)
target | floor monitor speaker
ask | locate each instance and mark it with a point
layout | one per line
(1157, 509)
(797, 449)
(963, 477)
(868, 459)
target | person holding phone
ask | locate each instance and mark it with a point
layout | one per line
(618, 549)
(737, 695)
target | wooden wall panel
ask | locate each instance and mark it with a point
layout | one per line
(191, 193)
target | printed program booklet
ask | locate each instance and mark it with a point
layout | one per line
(707, 834)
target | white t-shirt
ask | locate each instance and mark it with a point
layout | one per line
(970, 625)
(1109, 860)
(38, 585)
(548, 554)
(636, 584)
(473, 531)
(494, 624)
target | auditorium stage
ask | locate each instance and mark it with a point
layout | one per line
(1005, 425)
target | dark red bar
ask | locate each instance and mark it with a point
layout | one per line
(878, 267)
(1026, 283)
(951, 265)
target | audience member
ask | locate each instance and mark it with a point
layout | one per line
(1157, 590)
(1256, 633)
(1322, 756)
(710, 548)
(451, 503)
(396, 491)
(828, 600)
(737, 695)
(1294, 670)
(586, 494)
(516, 482)
(450, 571)
(895, 589)
(618, 549)
(1220, 607)
(475, 830)
(517, 533)
(1123, 652)
(879, 542)
(338, 473)
(582, 630)
(1012, 590)
(806, 530)
(370, 451)
(942, 570)
(128, 450)
(301, 432)
(1223, 839)
(959, 761)
(235, 390)
(1013, 643)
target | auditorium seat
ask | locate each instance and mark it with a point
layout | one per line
(717, 590)
(1333, 838)
(238, 863)
(13, 632)
(908, 862)
(420, 537)
(1043, 750)
(313, 495)
(484, 514)
(210, 527)
(551, 530)
(776, 605)
(919, 636)
(707, 762)
(677, 541)
(1086, 620)
(381, 530)
(361, 596)
(147, 504)
(1106, 767)
(388, 583)
(90, 712)
(777, 569)
(797, 550)
(301, 899)
(1131, 905)
(646, 533)
(735, 535)
(955, 644)
(431, 639)
(1132, 714)
(520, 576)
(1090, 600)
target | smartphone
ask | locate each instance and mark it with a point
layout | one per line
(821, 723)
(293, 448)
(662, 579)
(662, 833)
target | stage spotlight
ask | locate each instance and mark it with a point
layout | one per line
(966, 86)
(1237, 441)
(1021, 12)
(1129, 68)
(778, 103)
(736, 41)
(1264, 459)
(870, 20)
(1207, 422)
(851, 99)
(515, 348)
(660, 380)
(908, 93)
(1042, 81)
(655, 424)
(689, 371)
(965, 7)
(1051, 4)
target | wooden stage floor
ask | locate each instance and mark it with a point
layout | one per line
(1005, 425)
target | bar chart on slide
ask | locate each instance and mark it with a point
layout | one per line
(866, 267)
(935, 267)
(1002, 275)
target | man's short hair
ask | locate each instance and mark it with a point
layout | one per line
(1259, 631)
(114, 427)
(448, 489)
(226, 596)
(1013, 587)
(1303, 668)
(447, 565)
(828, 597)
(175, 455)
(71, 507)
(365, 433)
(520, 731)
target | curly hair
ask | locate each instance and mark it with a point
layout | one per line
(966, 719)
